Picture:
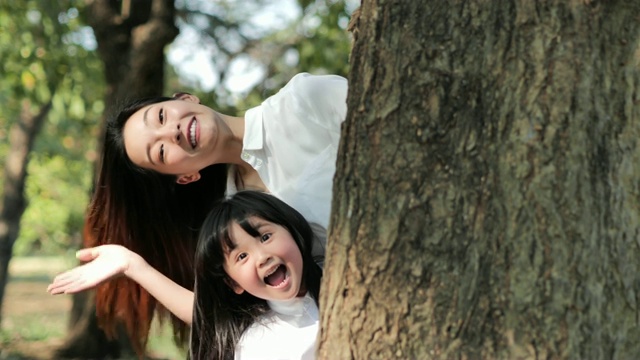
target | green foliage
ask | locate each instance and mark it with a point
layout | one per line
(47, 53)
(58, 192)
(31, 329)
(322, 44)
(315, 41)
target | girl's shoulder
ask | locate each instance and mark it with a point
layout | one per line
(272, 337)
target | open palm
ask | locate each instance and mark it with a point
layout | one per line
(103, 263)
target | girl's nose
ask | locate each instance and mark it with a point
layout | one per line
(264, 258)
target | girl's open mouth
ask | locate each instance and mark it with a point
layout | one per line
(278, 277)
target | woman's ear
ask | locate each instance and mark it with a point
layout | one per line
(234, 286)
(189, 178)
(186, 97)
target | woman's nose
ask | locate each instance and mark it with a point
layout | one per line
(171, 133)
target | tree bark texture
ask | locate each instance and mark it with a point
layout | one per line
(131, 38)
(487, 197)
(22, 136)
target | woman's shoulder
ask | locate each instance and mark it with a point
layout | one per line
(309, 99)
(319, 94)
(304, 82)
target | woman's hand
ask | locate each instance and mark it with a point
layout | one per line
(107, 261)
(103, 263)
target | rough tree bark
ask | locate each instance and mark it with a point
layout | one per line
(487, 198)
(22, 136)
(131, 38)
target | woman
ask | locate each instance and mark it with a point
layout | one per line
(167, 160)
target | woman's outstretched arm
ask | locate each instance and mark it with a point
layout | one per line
(107, 261)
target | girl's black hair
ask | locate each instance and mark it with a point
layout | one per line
(152, 215)
(220, 316)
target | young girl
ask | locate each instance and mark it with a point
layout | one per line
(257, 286)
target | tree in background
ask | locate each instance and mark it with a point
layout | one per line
(131, 38)
(40, 82)
(250, 36)
(486, 203)
(317, 43)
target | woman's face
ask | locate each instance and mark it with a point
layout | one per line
(174, 137)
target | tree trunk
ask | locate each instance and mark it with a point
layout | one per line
(131, 41)
(486, 202)
(22, 136)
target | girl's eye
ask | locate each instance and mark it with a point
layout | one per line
(242, 256)
(265, 237)
(161, 116)
(162, 153)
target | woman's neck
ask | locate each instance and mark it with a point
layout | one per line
(235, 124)
(247, 178)
(231, 134)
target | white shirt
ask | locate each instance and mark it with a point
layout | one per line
(292, 139)
(288, 331)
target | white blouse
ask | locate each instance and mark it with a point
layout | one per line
(292, 140)
(288, 331)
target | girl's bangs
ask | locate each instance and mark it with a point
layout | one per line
(242, 220)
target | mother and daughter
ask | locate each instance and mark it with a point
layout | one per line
(165, 162)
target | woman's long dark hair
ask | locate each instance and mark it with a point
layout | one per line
(220, 316)
(152, 215)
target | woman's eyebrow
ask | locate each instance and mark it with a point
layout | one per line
(144, 115)
(148, 148)
(149, 155)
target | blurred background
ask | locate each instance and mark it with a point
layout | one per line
(62, 65)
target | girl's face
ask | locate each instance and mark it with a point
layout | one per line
(268, 266)
(174, 137)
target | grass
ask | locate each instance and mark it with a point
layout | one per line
(34, 323)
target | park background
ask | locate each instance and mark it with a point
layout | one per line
(231, 53)
(486, 201)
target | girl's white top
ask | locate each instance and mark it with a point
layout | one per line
(292, 139)
(288, 331)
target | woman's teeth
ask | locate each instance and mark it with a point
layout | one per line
(192, 133)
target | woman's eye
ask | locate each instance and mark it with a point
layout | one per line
(265, 237)
(161, 116)
(162, 153)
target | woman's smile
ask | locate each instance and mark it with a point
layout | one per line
(194, 132)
